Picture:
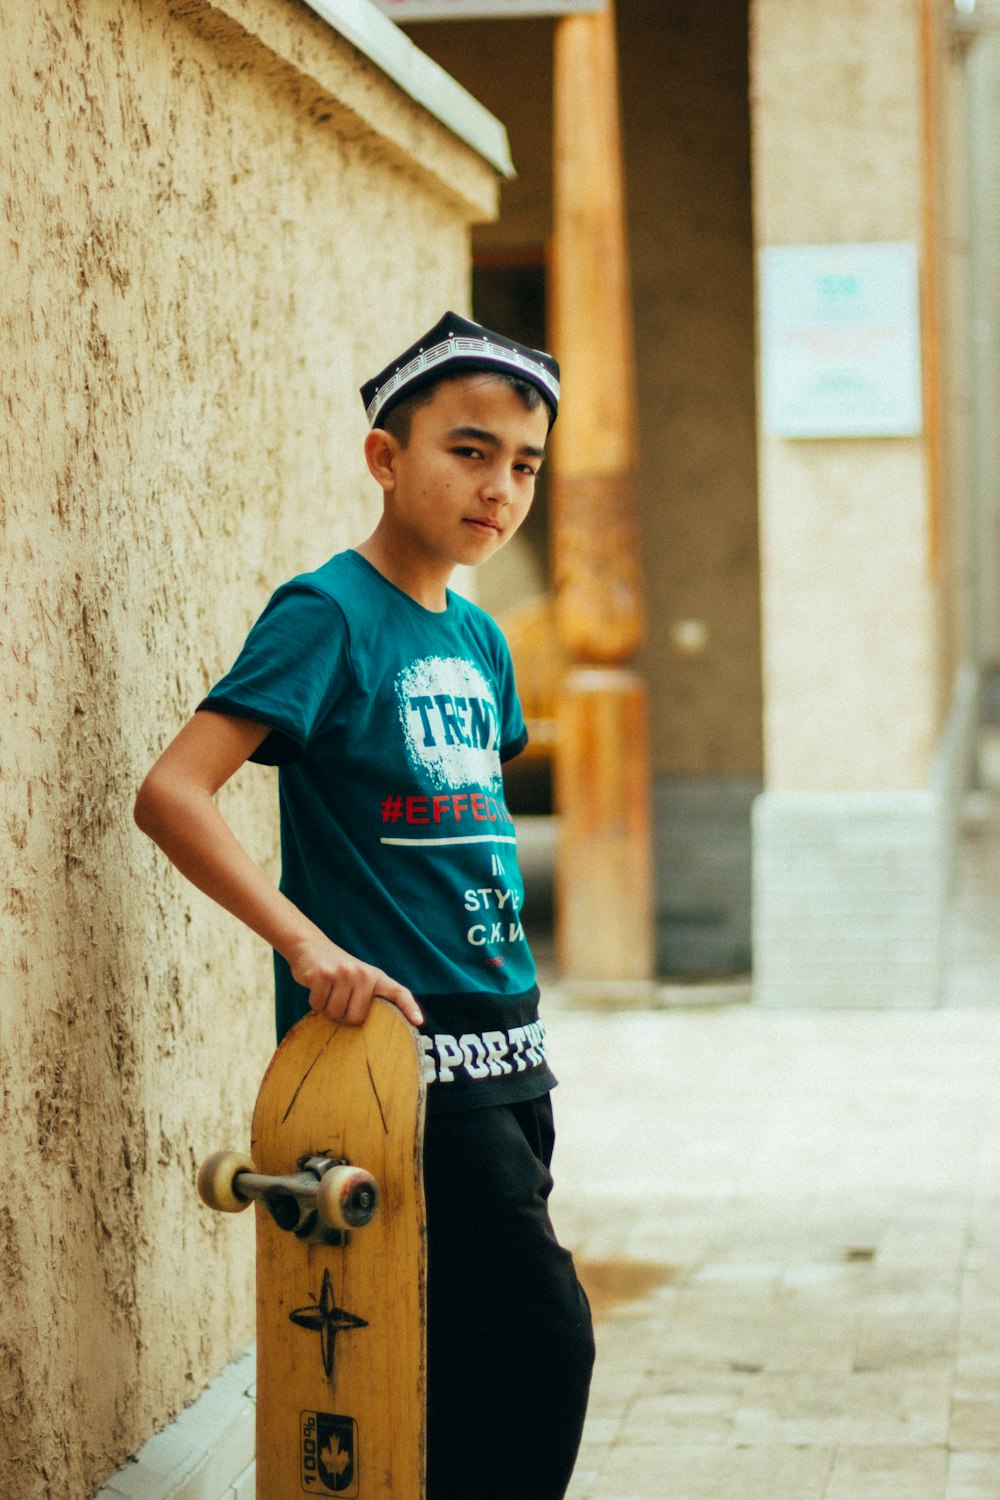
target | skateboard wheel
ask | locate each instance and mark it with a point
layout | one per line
(346, 1198)
(217, 1181)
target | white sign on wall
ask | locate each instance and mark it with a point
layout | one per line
(402, 11)
(840, 341)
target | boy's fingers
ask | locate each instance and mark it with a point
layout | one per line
(347, 996)
(327, 999)
(400, 996)
(319, 996)
(359, 1002)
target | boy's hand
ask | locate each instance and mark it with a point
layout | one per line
(342, 988)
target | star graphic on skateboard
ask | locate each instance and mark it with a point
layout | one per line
(327, 1319)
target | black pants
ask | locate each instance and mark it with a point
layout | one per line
(510, 1343)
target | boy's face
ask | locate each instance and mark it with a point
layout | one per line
(465, 480)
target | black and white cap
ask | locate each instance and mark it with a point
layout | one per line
(456, 346)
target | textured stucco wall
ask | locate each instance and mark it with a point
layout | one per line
(857, 670)
(201, 263)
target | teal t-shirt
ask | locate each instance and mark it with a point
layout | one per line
(389, 724)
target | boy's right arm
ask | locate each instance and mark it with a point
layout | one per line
(176, 808)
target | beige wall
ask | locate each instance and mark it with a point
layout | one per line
(685, 112)
(975, 236)
(856, 534)
(206, 251)
(962, 570)
(869, 708)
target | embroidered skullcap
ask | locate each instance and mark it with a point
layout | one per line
(456, 346)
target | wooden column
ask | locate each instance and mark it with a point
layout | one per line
(604, 877)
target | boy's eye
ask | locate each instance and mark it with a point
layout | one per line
(469, 452)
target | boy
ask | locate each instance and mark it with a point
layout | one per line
(388, 703)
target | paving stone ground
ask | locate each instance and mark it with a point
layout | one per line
(790, 1225)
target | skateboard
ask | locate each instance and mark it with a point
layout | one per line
(336, 1174)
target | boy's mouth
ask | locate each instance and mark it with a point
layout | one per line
(482, 523)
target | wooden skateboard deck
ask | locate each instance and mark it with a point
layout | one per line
(341, 1328)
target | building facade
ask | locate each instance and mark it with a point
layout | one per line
(821, 607)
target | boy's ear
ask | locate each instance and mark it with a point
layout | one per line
(381, 449)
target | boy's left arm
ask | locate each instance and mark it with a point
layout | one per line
(176, 808)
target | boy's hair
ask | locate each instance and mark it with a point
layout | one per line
(398, 418)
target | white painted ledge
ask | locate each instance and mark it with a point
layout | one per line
(207, 1453)
(379, 39)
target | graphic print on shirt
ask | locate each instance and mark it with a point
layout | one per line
(451, 735)
(451, 727)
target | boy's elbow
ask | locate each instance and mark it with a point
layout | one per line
(142, 809)
(150, 804)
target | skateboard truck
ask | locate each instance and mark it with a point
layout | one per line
(319, 1204)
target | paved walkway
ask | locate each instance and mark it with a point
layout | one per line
(790, 1226)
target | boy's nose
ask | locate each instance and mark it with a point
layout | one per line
(496, 487)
